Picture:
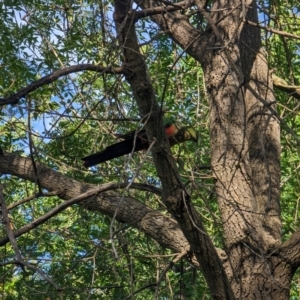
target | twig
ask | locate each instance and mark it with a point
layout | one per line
(6, 222)
(12, 238)
(170, 265)
(282, 33)
(156, 284)
(29, 198)
(111, 232)
(31, 146)
(190, 213)
(274, 113)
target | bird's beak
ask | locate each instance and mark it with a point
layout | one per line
(193, 135)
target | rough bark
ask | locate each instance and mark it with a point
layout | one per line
(263, 129)
(245, 156)
(241, 158)
(244, 134)
(245, 144)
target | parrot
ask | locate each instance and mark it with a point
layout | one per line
(136, 141)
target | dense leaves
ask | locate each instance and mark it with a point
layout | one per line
(87, 254)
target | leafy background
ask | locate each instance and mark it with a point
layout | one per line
(78, 114)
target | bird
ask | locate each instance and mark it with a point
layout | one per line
(136, 141)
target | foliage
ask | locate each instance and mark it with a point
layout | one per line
(78, 114)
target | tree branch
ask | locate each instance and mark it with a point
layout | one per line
(14, 98)
(75, 200)
(179, 29)
(289, 250)
(6, 221)
(12, 238)
(174, 195)
(274, 113)
(29, 198)
(281, 84)
(159, 227)
(279, 32)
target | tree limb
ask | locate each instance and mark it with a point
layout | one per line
(14, 98)
(75, 200)
(289, 250)
(174, 195)
(156, 225)
(151, 11)
(279, 32)
(180, 29)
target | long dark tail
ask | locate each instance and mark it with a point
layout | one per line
(113, 151)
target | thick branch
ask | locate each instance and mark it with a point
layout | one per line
(14, 98)
(161, 228)
(178, 27)
(75, 200)
(174, 196)
(289, 250)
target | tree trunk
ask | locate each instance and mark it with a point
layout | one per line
(245, 143)
(245, 154)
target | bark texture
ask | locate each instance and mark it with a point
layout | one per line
(244, 133)
(245, 151)
(245, 142)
